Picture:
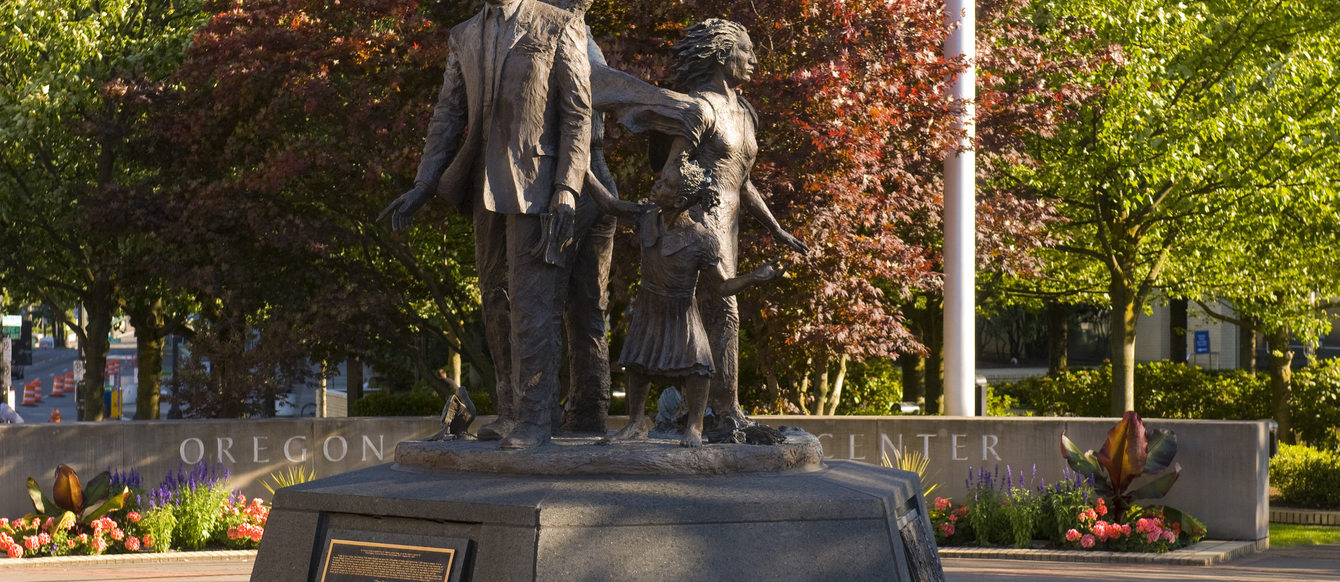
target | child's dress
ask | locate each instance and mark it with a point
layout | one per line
(665, 333)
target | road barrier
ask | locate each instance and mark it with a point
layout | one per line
(31, 390)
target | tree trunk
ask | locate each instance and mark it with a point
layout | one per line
(149, 333)
(837, 385)
(803, 391)
(914, 376)
(1058, 338)
(99, 308)
(821, 386)
(1247, 346)
(1281, 376)
(1177, 323)
(354, 378)
(1125, 311)
(935, 379)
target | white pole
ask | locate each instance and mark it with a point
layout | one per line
(960, 224)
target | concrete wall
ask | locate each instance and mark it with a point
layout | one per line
(250, 449)
(1225, 465)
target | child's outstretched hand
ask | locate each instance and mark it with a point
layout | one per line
(770, 270)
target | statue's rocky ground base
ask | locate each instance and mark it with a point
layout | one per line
(569, 510)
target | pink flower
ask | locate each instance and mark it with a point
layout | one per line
(118, 535)
(4, 522)
(947, 529)
(256, 534)
(1102, 507)
(132, 543)
(47, 524)
(1072, 535)
(1126, 528)
(133, 516)
(14, 551)
(44, 538)
(99, 545)
(31, 543)
(1169, 536)
(1086, 541)
(148, 541)
(941, 503)
(5, 540)
(233, 533)
(1152, 537)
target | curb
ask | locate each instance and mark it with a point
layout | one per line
(174, 557)
(1202, 553)
(1301, 516)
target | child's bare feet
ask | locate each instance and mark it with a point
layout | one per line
(691, 439)
(634, 430)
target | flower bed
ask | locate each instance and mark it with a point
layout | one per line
(1009, 510)
(191, 509)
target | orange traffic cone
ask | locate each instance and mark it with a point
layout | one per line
(69, 382)
(30, 392)
(37, 390)
(58, 387)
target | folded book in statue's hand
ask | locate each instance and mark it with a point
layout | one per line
(556, 235)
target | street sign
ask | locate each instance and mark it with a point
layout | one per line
(13, 326)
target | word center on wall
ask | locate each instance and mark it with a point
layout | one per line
(960, 447)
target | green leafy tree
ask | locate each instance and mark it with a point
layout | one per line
(1281, 279)
(1210, 105)
(64, 67)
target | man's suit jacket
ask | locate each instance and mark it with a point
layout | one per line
(538, 136)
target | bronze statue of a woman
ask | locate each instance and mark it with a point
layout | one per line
(707, 119)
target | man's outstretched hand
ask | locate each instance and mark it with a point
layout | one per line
(402, 209)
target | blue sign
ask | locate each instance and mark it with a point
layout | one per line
(1202, 342)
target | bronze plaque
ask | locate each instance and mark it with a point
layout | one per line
(366, 561)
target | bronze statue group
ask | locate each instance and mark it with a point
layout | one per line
(515, 142)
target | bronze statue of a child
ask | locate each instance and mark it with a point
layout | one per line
(666, 341)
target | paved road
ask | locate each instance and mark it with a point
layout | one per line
(1310, 564)
(50, 362)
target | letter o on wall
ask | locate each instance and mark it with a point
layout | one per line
(344, 448)
(199, 445)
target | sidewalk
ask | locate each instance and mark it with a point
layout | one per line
(1297, 564)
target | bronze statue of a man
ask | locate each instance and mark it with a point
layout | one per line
(509, 139)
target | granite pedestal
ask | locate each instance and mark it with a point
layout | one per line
(842, 521)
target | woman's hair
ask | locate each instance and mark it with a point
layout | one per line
(704, 47)
(696, 184)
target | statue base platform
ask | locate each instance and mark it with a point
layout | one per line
(425, 518)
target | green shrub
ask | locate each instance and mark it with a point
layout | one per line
(1172, 390)
(1079, 392)
(874, 387)
(1306, 477)
(401, 404)
(158, 526)
(1316, 398)
(1162, 390)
